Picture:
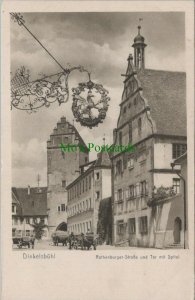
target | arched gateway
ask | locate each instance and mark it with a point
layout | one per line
(62, 226)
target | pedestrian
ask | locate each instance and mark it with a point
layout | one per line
(32, 240)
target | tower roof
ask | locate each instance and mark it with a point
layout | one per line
(103, 160)
(139, 39)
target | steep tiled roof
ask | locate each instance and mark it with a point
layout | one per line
(34, 204)
(16, 202)
(103, 160)
(165, 92)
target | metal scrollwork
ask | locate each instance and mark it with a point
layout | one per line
(30, 96)
(90, 100)
(90, 103)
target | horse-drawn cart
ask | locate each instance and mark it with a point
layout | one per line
(25, 241)
(82, 241)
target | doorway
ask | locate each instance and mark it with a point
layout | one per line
(177, 230)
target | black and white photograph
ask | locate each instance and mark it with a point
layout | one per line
(99, 130)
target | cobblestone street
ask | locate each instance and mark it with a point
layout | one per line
(48, 245)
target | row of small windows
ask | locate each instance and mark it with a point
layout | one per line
(62, 207)
(139, 189)
(121, 135)
(129, 162)
(27, 220)
(177, 151)
(139, 126)
(142, 223)
(22, 232)
(129, 106)
(80, 207)
(79, 188)
(80, 228)
(60, 139)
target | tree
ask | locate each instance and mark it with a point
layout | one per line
(104, 226)
(39, 229)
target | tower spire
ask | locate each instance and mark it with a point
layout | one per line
(139, 46)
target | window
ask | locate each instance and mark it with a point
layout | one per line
(121, 227)
(58, 208)
(27, 232)
(27, 220)
(83, 186)
(120, 195)
(119, 167)
(124, 110)
(97, 195)
(63, 207)
(143, 224)
(42, 221)
(131, 191)
(64, 183)
(132, 225)
(89, 203)
(97, 176)
(138, 189)
(89, 182)
(86, 184)
(13, 209)
(120, 138)
(33, 204)
(86, 159)
(176, 185)
(130, 163)
(130, 132)
(178, 150)
(143, 189)
(139, 126)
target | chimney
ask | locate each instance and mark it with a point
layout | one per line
(28, 189)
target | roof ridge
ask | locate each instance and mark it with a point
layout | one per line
(157, 70)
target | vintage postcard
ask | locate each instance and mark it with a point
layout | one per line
(97, 190)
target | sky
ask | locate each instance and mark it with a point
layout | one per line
(101, 42)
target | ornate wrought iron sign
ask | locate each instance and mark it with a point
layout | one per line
(90, 100)
(90, 103)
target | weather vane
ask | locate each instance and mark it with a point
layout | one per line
(30, 95)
